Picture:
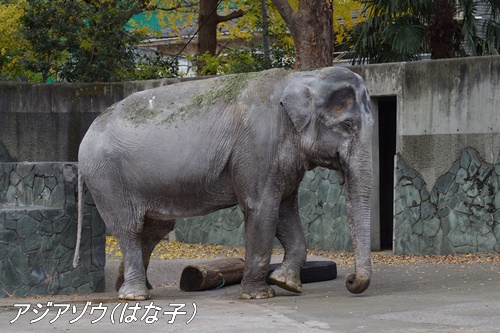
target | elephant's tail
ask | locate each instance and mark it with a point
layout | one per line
(76, 258)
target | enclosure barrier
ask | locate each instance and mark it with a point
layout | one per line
(38, 232)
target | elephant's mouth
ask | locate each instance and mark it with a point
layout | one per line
(333, 163)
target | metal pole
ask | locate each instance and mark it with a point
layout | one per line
(265, 32)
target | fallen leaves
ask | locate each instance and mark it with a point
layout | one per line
(112, 247)
(389, 258)
(177, 250)
(167, 250)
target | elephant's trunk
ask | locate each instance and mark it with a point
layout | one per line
(359, 183)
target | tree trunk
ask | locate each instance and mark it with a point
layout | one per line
(265, 35)
(311, 26)
(445, 33)
(207, 25)
(208, 20)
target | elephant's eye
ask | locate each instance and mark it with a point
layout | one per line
(347, 125)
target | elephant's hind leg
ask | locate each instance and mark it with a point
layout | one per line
(132, 276)
(125, 223)
(123, 214)
(153, 232)
(289, 232)
(134, 281)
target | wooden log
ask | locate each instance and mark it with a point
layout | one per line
(227, 271)
(213, 274)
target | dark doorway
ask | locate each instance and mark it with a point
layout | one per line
(387, 107)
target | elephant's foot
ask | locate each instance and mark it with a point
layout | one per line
(287, 278)
(121, 278)
(256, 291)
(134, 292)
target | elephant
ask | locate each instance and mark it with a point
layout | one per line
(195, 147)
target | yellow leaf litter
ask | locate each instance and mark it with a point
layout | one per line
(178, 250)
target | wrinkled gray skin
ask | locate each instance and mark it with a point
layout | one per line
(193, 148)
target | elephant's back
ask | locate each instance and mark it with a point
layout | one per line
(153, 107)
(130, 121)
(159, 129)
(201, 115)
(167, 106)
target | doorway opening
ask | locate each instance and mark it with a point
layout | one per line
(387, 127)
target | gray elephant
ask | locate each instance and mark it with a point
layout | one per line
(192, 148)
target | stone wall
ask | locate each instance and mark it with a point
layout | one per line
(38, 229)
(460, 214)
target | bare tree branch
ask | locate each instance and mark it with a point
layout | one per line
(236, 14)
(284, 8)
(171, 9)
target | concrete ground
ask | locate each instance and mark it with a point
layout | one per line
(401, 298)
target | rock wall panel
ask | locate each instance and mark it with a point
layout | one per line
(460, 214)
(38, 226)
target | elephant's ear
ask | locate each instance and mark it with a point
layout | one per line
(297, 100)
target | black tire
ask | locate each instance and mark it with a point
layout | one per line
(313, 271)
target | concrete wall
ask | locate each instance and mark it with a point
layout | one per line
(446, 110)
(443, 107)
(448, 129)
(46, 122)
(450, 135)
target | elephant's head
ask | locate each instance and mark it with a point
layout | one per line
(330, 109)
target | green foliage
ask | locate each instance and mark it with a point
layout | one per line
(392, 31)
(229, 62)
(101, 50)
(155, 67)
(78, 41)
(489, 44)
(282, 46)
(44, 26)
(209, 64)
(95, 40)
(243, 60)
(12, 44)
(250, 56)
(404, 30)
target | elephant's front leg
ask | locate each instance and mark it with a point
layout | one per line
(260, 228)
(289, 232)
